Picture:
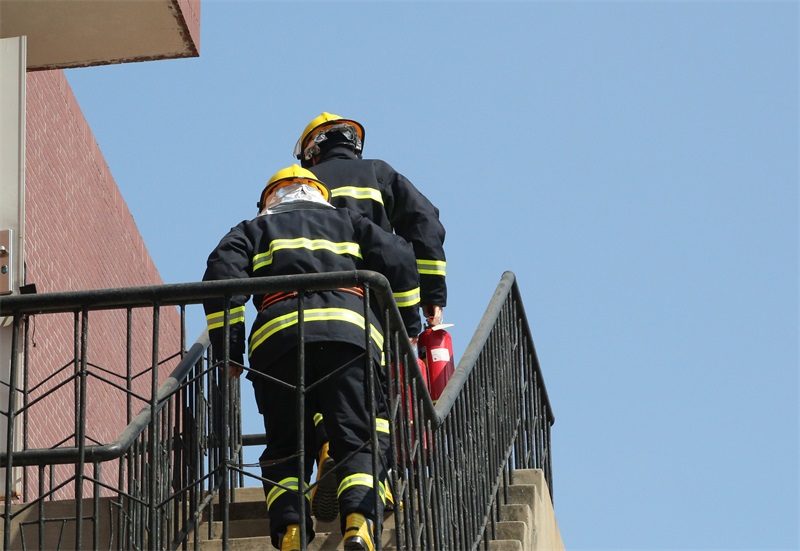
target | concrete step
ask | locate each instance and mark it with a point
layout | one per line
(323, 541)
(506, 545)
(255, 527)
(249, 526)
(516, 530)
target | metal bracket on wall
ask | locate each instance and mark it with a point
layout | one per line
(6, 258)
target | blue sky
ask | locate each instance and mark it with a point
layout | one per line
(635, 164)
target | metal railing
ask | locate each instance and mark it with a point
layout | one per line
(174, 464)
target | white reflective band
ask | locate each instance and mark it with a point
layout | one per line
(314, 314)
(291, 483)
(382, 425)
(217, 319)
(358, 193)
(361, 479)
(407, 298)
(265, 259)
(432, 267)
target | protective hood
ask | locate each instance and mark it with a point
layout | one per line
(294, 196)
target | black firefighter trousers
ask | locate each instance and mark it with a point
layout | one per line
(343, 401)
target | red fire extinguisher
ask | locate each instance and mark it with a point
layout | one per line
(435, 347)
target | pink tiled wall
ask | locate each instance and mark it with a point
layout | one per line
(80, 235)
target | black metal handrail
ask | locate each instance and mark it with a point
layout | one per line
(493, 417)
(117, 448)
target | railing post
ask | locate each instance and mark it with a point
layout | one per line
(154, 439)
(12, 404)
(80, 423)
(221, 420)
(300, 396)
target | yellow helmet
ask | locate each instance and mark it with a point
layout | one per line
(316, 131)
(293, 174)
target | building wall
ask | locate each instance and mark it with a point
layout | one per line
(80, 235)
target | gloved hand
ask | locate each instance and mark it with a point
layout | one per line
(234, 370)
(432, 313)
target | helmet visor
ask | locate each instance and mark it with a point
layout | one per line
(349, 131)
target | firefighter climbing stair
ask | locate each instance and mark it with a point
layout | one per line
(525, 524)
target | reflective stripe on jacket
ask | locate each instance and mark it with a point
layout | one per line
(306, 241)
(374, 189)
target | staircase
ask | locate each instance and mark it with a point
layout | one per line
(483, 451)
(527, 522)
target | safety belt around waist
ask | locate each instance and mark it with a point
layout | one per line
(272, 298)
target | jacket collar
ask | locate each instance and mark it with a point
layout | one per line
(338, 152)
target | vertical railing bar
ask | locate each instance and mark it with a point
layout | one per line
(180, 414)
(372, 409)
(191, 444)
(438, 492)
(40, 508)
(129, 365)
(428, 493)
(548, 471)
(25, 386)
(455, 428)
(175, 441)
(218, 422)
(406, 434)
(494, 428)
(121, 500)
(477, 500)
(170, 512)
(129, 459)
(391, 352)
(80, 428)
(466, 477)
(300, 397)
(142, 489)
(392, 357)
(441, 488)
(154, 539)
(473, 468)
(505, 387)
(416, 461)
(529, 413)
(183, 429)
(239, 428)
(204, 386)
(452, 515)
(486, 468)
(537, 414)
(200, 431)
(538, 444)
(519, 386)
(97, 471)
(133, 485)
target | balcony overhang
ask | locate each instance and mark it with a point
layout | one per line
(80, 33)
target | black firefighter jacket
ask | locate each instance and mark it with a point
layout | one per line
(372, 188)
(305, 241)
